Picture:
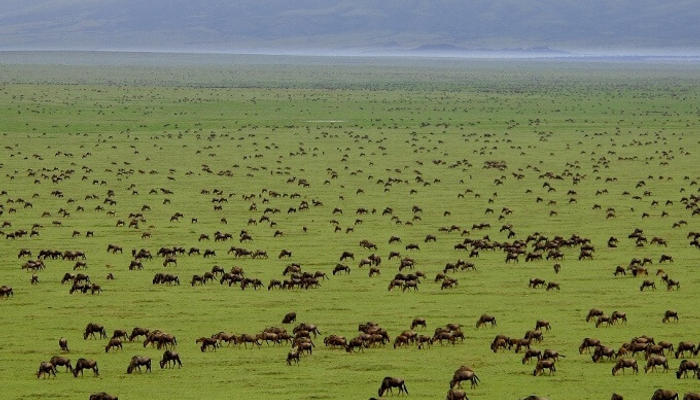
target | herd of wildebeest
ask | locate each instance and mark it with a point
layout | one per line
(303, 338)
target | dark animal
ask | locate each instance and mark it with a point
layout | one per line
(83, 364)
(388, 383)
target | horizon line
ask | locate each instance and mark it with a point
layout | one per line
(515, 53)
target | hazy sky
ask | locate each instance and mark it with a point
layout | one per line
(351, 25)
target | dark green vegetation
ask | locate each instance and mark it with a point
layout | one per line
(404, 147)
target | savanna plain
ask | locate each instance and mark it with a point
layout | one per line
(477, 162)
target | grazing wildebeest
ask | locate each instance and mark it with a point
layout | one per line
(418, 322)
(593, 313)
(536, 282)
(456, 395)
(284, 253)
(334, 341)
(618, 316)
(587, 343)
(103, 396)
(542, 324)
(531, 353)
(616, 396)
(686, 346)
(114, 343)
(83, 364)
(138, 362)
(464, 373)
(647, 284)
(170, 357)
(448, 283)
(93, 328)
(246, 338)
(207, 342)
(388, 383)
(664, 394)
(341, 268)
(624, 363)
(654, 361)
(603, 319)
(544, 364)
(293, 355)
(6, 291)
(47, 369)
(57, 361)
(686, 366)
(136, 332)
(603, 351)
(669, 315)
(289, 318)
(486, 319)
(63, 344)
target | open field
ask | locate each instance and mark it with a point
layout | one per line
(404, 146)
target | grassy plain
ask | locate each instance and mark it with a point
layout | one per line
(631, 127)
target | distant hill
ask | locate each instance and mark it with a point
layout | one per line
(360, 26)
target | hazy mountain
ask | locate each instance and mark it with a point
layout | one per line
(350, 25)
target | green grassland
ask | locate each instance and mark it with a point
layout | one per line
(631, 127)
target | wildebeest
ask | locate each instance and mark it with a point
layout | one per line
(540, 323)
(544, 364)
(6, 291)
(670, 315)
(207, 342)
(686, 346)
(83, 364)
(686, 366)
(93, 328)
(136, 332)
(486, 319)
(603, 351)
(103, 396)
(341, 268)
(453, 394)
(388, 383)
(293, 355)
(57, 361)
(114, 343)
(418, 322)
(588, 343)
(664, 394)
(289, 318)
(464, 373)
(625, 363)
(536, 282)
(593, 313)
(170, 357)
(63, 344)
(531, 353)
(46, 369)
(137, 362)
(655, 360)
(647, 284)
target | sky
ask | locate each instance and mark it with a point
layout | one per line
(354, 26)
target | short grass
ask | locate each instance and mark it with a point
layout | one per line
(629, 130)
